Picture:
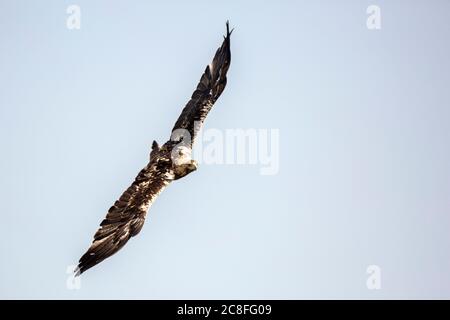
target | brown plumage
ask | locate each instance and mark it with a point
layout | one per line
(170, 162)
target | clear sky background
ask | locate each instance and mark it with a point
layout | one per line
(364, 173)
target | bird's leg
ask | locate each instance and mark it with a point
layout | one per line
(184, 169)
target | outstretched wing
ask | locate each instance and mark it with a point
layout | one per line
(211, 85)
(126, 217)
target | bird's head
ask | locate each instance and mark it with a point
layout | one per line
(181, 155)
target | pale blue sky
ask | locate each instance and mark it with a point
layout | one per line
(364, 148)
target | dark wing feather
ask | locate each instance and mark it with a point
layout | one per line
(211, 85)
(126, 217)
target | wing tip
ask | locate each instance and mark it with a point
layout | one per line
(228, 29)
(78, 271)
(82, 266)
(87, 261)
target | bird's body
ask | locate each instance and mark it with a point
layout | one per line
(169, 162)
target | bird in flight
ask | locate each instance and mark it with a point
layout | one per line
(168, 162)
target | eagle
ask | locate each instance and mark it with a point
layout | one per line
(169, 162)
